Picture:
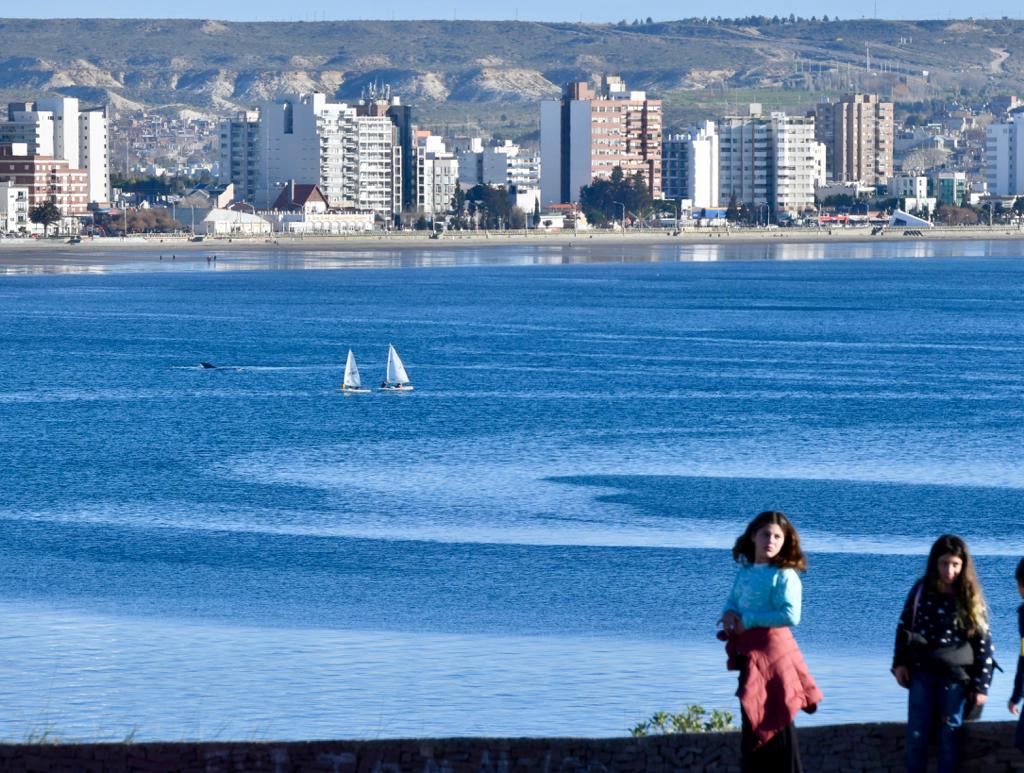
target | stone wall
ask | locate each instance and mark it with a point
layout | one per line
(840, 748)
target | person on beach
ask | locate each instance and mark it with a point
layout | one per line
(943, 653)
(1018, 680)
(763, 605)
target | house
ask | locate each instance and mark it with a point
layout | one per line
(307, 199)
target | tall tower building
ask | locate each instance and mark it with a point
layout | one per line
(689, 166)
(770, 160)
(94, 152)
(58, 129)
(239, 161)
(354, 158)
(586, 134)
(65, 128)
(437, 175)
(858, 134)
(1004, 156)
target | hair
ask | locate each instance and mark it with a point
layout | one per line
(789, 557)
(971, 611)
(1020, 572)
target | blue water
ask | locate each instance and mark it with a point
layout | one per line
(535, 541)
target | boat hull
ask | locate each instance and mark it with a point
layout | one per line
(396, 388)
(355, 391)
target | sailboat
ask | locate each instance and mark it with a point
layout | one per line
(352, 385)
(396, 379)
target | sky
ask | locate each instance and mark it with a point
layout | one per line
(536, 10)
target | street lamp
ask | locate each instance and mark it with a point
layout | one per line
(767, 212)
(623, 221)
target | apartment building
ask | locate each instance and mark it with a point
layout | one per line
(57, 128)
(587, 134)
(770, 161)
(689, 166)
(355, 159)
(437, 175)
(857, 132)
(237, 156)
(94, 153)
(499, 164)
(1004, 156)
(45, 179)
(13, 208)
(950, 188)
(908, 186)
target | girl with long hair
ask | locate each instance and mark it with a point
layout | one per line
(764, 603)
(943, 653)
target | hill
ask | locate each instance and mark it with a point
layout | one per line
(474, 71)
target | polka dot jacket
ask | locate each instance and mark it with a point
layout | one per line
(936, 622)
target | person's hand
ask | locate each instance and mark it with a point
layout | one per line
(1013, 707)
(902, 676)
(732, 623)
(979, 699)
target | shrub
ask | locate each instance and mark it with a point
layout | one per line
(694, 719)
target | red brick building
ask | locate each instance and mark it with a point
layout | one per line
(47, 179)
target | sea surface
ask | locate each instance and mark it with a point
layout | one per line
(533, 542)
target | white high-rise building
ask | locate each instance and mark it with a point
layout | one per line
(354, 159)
(94, 153)
(770, 161)
(26, 124)
(65, 128)
(689, 166)
(378, 165)
(437, 175)
(1004, 156)
(58, 129)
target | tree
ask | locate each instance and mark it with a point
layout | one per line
(491, 205)
(605, 201)
(733, 210)
(150, 220)
(46, 214)
(953, 215)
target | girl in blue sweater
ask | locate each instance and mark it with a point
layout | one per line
(767, 593)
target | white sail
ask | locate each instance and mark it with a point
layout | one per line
(351, 372)
(396, 370)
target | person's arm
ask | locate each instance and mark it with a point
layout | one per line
(981, 670)
(786, 596)
(732, 602)
(906, 619)
(1018, 680)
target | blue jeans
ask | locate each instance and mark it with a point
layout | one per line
(936, 703)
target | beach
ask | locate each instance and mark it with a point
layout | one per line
(110, 251)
